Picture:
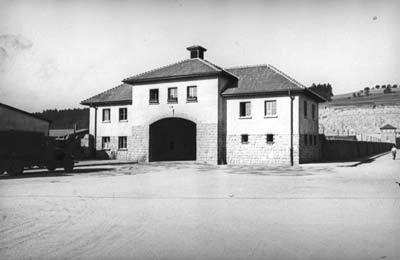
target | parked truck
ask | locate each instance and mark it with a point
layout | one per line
(26, 149)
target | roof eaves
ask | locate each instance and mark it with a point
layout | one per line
(298, 84)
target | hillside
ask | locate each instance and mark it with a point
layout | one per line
(66, 118)
(375, 97)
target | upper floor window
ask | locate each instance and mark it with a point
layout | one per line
(270, 108)
(122, 142)
(305, 109)
(105, 142)
(106, 115)
(123, 114)
(192, 93)
(245, 109)
(173, 95)
(153, 99)
(313, 111)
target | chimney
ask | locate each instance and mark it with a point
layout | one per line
(196, 51)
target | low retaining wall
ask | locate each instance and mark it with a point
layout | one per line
(340, 150)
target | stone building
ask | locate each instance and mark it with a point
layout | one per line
(196, 110)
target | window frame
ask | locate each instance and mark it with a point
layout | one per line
(245, 110)
(273, 138)
(172, 99)
(104, 113)
(242, 137)
(126, 114)
(157, 100)
(266, 115)
(191, 98)
(103, 138)
(121, 141)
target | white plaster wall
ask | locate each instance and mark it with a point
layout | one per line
(114, 127)
(11, 119)
(258, 123)
(205, 110)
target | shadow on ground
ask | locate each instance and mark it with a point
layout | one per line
(57, 173)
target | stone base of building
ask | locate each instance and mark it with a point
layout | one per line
(258, 151)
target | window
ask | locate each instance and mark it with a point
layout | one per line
(105, 142)
(123, 114)
(245, 139)
(270, 108)
(315, 140)
(153, 96)
(245, 109)
(305, 109)
(313, 111)
(173, 95)
(106, 115)
(270, 138)
(305, 139)
(310, 138)
(192, 93)
(122, 142)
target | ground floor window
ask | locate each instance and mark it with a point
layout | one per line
(315, 140)
(122, 142)
(305, 139)
(245, 139)
(270, 138)
(105, 142)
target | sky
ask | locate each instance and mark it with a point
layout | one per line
(54, 54)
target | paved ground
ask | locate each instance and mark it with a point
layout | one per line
(191, 211)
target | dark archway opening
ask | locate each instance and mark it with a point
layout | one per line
(172, 139)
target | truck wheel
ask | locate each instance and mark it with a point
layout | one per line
(51, 166)
(16, 167)
(68, 164)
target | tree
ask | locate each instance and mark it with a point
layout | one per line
(383, 86)
(387, 90)
(354, 94)
(394, 86)
(324, 90)
(377, 86)
(366, 90)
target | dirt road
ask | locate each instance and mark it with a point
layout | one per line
(191, 211)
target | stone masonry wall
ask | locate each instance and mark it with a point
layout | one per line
(207, 143)
(362, 121)
(258, 151)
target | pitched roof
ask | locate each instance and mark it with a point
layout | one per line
(119, 94)
(387, 126)
(264, 79)
(261, 78)
(251, 80)
(183, 69)
(25, 112)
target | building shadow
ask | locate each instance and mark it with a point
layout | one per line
(57, 173)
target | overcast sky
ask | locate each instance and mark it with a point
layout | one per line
(54, 54)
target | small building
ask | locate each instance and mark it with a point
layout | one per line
(12, 118)
(196, 110)
(388, 134)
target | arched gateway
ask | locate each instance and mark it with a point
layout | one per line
(172, 139)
